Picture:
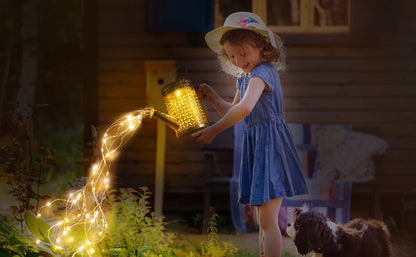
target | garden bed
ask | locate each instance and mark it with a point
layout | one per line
(248, 242)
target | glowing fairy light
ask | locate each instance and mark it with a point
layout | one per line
(84, 223)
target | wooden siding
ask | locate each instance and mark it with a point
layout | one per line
(364, 86)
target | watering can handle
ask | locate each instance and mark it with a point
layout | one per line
(204, 101)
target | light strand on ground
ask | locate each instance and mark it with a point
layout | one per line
(83, 223)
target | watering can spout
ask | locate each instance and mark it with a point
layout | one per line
(171, 122)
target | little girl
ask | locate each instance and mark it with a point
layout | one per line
(270, 166)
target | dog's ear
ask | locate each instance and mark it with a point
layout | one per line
(305, 233)
(302, 243)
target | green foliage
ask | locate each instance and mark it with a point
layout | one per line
(65, 143)
(133, 229)
(14, 244)
(21, 165)
(37, 227)
(214, 247)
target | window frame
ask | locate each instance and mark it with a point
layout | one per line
(306, 19)
(368, 19)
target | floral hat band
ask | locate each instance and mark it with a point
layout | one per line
(251, 22)
(240, 20)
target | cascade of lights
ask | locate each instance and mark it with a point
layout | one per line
(84, 224)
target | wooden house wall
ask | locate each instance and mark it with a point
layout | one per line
(371, 86)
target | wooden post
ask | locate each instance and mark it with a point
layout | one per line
(158, 74)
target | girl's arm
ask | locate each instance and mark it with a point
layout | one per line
(235, 113)
(217, 101)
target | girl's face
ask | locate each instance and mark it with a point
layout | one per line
(244, 55)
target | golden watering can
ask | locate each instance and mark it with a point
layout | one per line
(185, 113)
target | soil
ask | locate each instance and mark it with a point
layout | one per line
(249, 243)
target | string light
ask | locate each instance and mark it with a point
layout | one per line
(84, 223)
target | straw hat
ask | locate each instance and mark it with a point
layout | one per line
(240, 20)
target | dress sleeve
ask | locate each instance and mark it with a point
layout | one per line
(267, 73)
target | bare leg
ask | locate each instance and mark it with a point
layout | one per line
(269, 228)
(261, 236)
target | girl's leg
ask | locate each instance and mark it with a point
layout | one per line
(268, 221)
(261, 236)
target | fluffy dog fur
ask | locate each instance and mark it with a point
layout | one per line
(314, 233)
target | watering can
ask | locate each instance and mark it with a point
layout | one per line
(185, 113)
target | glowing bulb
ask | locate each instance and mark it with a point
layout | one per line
(38, 241)
(48, 204)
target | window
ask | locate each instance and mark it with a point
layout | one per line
(309, 16)
(180, 16)
(293, 16)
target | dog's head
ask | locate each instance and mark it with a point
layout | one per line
(311, 231)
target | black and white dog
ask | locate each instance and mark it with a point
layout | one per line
(314, 233)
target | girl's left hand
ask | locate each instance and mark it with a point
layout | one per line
(205, 136)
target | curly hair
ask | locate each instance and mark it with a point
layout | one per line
(275, 56)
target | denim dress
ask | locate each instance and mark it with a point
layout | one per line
(270, 166)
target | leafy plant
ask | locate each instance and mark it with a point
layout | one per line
(13, 243)
(214, 247)
(21, 166)
(133, 229)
